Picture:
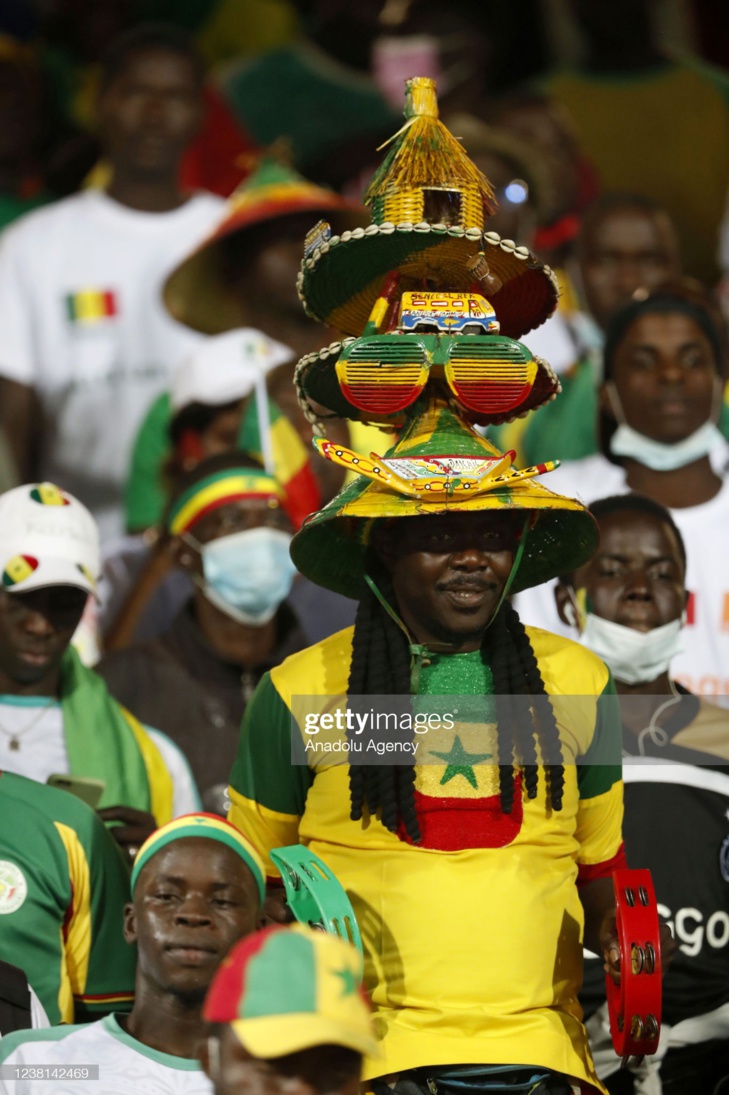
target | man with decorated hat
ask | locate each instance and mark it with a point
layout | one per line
(499, 850)
(288, 1001)
(459, 773)
(197, 887)
(56, 716)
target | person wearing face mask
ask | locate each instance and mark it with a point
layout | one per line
(627, 246)
(627, 605)
(231, 534)
(659, 405)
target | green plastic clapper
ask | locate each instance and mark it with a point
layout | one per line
(314, 895)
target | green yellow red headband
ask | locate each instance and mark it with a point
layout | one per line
(210, 827)
(218, 489)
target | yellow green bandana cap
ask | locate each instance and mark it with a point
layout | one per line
(219, 489)
(210, 827)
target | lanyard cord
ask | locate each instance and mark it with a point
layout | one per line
(419, 653)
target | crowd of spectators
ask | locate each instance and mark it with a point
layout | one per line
(160, 165)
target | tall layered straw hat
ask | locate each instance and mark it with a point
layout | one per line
(429, 207)
(196, 292)
(439, 464)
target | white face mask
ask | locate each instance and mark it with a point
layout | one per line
(633, 657)
(247, 574)
(655, 454)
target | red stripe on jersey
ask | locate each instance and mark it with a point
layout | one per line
(588, 872)
(454, 824)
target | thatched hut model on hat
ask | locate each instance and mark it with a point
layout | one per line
(461, 844)
(416, 288)
(426, 344)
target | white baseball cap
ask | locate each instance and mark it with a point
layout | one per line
(47, 538)
(226, 367)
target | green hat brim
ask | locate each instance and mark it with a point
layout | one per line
(340, 282)
(331, 549)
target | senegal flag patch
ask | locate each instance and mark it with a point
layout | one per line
(89, 306)
(48, 494)
(457, 794)
(18, 569)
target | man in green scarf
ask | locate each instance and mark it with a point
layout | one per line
(56, 716)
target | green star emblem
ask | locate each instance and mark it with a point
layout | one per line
(349, 980)
(460, 763)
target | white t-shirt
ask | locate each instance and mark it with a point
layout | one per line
(553, 341)
(126, 1066)
(703, 666)
(83, 323)
(38, 726)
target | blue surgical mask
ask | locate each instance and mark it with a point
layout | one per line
(248, 574)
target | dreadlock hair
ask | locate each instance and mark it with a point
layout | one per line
(525, 717)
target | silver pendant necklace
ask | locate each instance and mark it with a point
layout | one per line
(16, 735)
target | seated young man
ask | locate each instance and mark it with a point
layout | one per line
(197, 887)
(286, 1009)
(211, 403)
(627, 605)
(56, 716)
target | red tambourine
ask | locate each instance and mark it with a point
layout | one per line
(635, 1004)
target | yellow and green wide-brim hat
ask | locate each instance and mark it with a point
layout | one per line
(439, 465)
(196, 292)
